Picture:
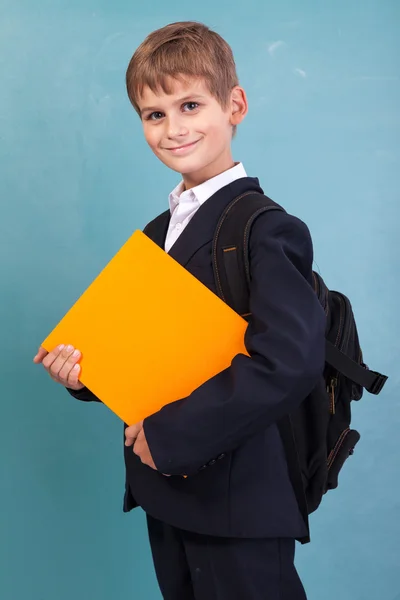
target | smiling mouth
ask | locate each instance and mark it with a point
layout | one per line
(182, 148)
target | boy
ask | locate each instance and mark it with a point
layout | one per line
(227, 530)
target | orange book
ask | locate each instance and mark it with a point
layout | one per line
(149, 331)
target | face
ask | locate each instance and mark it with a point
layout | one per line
(189, 131)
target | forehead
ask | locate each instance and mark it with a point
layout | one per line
(177, 89)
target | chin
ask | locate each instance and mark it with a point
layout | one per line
(189, 165)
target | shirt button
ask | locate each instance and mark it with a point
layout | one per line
(178, 226)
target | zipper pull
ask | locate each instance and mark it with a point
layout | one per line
(333, 384)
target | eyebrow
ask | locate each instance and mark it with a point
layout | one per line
(180, 101)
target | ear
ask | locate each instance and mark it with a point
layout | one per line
(239, 105)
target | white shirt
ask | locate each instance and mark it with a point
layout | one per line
(184, 204)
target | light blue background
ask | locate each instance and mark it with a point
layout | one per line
(77, 178)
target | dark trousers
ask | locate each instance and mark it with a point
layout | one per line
(190, 566)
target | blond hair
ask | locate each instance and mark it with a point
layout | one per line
(186, 48)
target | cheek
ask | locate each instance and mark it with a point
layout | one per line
(218, 134)
(151, 137)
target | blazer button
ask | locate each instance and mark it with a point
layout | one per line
(221, 456)
(203, 467)
(212, 462)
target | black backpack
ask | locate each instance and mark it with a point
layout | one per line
(317, 436)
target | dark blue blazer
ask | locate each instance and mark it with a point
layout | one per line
(224, 435)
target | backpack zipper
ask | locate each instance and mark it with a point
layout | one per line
(337, 446)
(317, 290)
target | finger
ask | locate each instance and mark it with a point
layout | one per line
(54, 366)
(68, 365)
(133, 430)
(39, 356)
(138, 446)
(73, 377)
(130, 439)
(131, 434)
(52, 356)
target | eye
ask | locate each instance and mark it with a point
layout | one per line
(191, 106)
(154, 116)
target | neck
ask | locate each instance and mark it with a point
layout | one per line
(222, 164)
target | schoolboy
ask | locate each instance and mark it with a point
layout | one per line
(227, 530)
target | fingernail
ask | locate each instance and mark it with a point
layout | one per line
(69, 348)
(75, 353)
(61, 346)
(76, 368)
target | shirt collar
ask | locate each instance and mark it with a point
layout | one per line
(205, 190)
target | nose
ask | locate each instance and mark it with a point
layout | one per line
(176, 128)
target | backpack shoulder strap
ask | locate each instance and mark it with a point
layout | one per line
(230, 248)
(232, 278)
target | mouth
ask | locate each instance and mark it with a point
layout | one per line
(182, 149)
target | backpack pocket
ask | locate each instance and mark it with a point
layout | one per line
(341, 451)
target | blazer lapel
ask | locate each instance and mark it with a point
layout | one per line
(157, 229)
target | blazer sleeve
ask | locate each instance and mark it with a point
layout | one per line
(84, 394)
(285, 339)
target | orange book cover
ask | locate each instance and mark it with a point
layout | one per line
(149, 331)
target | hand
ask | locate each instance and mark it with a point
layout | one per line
(135, 436)
(62, 365)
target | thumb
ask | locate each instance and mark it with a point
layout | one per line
(41, 353)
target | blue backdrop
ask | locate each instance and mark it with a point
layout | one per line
(77, 178)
